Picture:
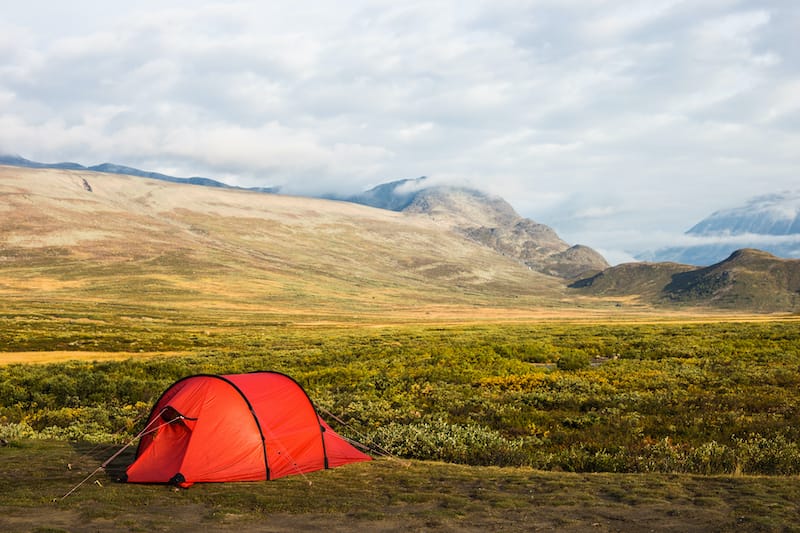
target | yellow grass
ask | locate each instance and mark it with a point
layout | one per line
(9, 358)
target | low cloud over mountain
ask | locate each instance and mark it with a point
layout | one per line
(488, 220)
(770, 222)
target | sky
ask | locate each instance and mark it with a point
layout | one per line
(619, 123)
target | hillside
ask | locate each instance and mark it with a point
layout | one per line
(99, 238)
(772, 214)
(80, 235)
(751, 279)
(769, 222)
(490, 221)
(643, 280)
(747, 279)
(111, 168)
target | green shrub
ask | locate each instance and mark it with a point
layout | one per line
(660, 398)
(760, 455)
(712, 458)
(573, 360)
(438, 440)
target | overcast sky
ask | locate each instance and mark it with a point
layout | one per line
(619, 123)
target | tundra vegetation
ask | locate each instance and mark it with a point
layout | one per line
(704, 397)
(554, 424)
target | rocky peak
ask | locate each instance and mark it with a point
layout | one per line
(493, 222)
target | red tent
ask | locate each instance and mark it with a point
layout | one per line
(238, 427)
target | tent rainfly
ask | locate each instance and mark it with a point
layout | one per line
(236, 427)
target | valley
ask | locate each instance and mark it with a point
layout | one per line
(502, 385)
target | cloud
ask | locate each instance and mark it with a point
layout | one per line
(597, 212)
(593, 117)
(301, 162)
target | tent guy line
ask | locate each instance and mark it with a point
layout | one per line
(119, 452)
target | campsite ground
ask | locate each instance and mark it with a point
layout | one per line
(384, 495)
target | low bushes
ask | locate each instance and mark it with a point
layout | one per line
(700, 398)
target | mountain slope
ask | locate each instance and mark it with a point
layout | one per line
(111, 168)
(490, 221)
(747, 279)
(770, 222)
(773, 214)
(84, 235)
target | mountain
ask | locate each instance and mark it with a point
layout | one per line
(747, 279)
(111, 168)
(71, 234)
(488, 220)
(18, 161)
(395, 195)
(773, 214)
(78, 237)
(770, 223)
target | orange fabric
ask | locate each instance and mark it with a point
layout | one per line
(218, 432)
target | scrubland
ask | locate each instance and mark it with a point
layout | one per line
(568, 424)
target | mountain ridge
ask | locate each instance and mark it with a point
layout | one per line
(112, 168)
(768, 222)
(487, 220)
(747, 279)
(154, 239)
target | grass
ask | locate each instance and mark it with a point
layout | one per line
(471, 370)
(28, 358)
(707, 398)
(386, 495)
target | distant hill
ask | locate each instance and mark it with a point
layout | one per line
(111, 168)
(394, 196)
(77, 234)
(644, 280)
(488, 220)
(770, 222)
(747, 279)
(84, 236)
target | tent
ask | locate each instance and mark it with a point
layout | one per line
(236, 427)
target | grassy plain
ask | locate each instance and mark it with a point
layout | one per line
(558, 422)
